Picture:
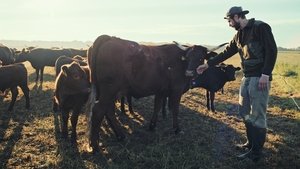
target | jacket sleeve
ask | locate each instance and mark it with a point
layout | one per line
(229, 51)
(270, 48)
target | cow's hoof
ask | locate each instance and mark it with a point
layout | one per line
(121, 137)
(74, 142)
(152, 127)
(73, 139)
(64, 135)
(178, 131)
(96, 150)
(55, 109)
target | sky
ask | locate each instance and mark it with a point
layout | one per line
(186, 21)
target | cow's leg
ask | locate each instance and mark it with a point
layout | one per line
(174, 101)
(64, 122)
(129, 101)
(25, 90)
(163, 111)
(37, 71)
(74, 120)
(96, 119)
(114, 124)
(14, 93)
(212, 99)
(207, 99)
(123, 104)
(42, 75)
(157, 107)
(54, 105)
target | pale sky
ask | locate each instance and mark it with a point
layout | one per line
(186, 21)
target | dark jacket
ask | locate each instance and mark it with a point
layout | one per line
(256, 46)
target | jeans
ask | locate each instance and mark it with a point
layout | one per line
(253, 102)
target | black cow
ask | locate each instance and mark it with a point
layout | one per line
(6, 55)
(12, 76)
(123, 66)
(72, 88)
(41, 57)
(213, 79)
(62, 60)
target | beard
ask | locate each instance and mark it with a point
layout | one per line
(237, 26)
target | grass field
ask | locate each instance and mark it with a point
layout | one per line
(31, 138)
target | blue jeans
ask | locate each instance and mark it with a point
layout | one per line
(253, 102)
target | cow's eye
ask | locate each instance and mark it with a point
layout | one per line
(76, 77)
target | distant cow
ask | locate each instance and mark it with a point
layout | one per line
(12, 76)
(213, 79)
(72, 88)
(123, 66)
(41, 57)
(6, 55)
(62, 60)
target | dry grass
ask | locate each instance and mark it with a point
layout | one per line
(31, 138)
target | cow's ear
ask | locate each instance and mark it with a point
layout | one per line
(24, 50)
(65, 70)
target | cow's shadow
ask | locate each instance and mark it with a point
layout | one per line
(218, 141)
(139, 137)
(15, 119)
(68, 151)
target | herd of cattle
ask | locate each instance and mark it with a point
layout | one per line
(111, 69)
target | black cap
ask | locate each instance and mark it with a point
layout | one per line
(235, 10)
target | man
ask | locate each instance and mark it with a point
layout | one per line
(255, 43)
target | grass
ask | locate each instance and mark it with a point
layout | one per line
(31, 138)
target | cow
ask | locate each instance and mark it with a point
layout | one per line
(41, 57)
(6, 55)
(62, 60)
(12, 76)
(213, 79)
(72, 88)
(126, 67)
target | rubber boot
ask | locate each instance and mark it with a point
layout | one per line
(248, 144)
(258, 143)
(258, 139)
(250, 132)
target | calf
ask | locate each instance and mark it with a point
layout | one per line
(213, 79)
(72, 88)
(12, 76)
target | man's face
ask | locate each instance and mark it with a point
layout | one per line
(234, 22)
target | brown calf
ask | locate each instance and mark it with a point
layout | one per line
(72, 88)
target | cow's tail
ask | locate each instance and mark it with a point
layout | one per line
(89, 109)
(92, 56)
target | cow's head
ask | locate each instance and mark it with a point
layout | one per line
(22, 56)
(230, 71)
(195, 56)
(76, 78)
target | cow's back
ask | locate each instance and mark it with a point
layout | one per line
(213, 79)
(143, 70)
(62, 60)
